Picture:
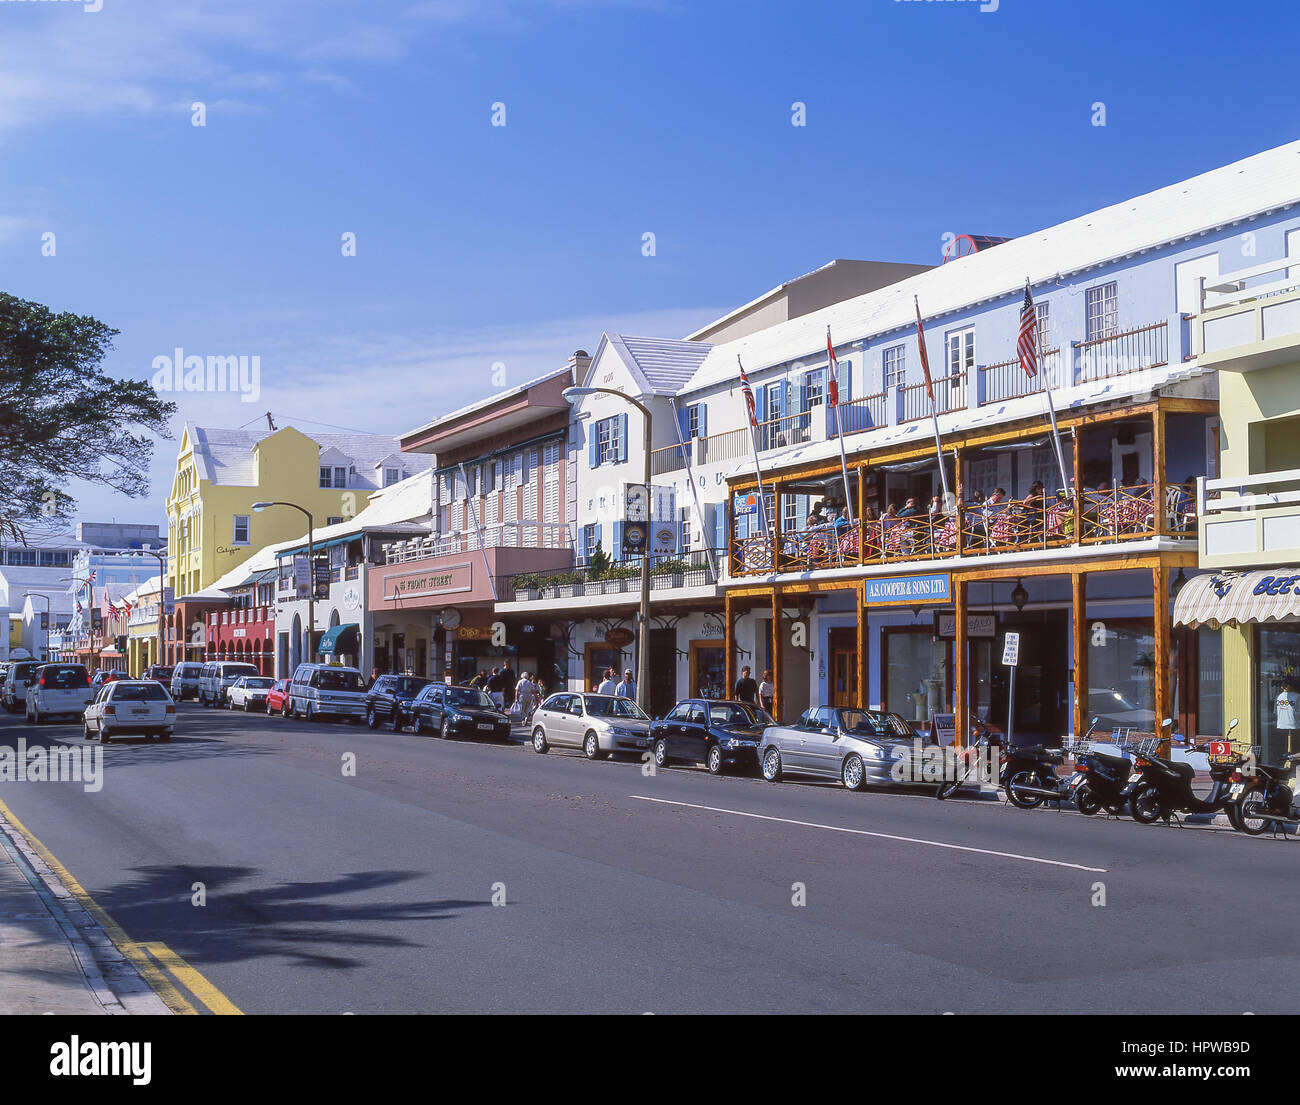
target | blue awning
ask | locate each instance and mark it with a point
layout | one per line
(340, 639)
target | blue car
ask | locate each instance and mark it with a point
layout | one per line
(720, 734)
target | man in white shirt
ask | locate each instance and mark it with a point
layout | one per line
(607, 686)
(627, 689)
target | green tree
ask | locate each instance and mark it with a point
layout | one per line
(600, 563)
(62, 418)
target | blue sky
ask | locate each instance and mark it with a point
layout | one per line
(518, 244)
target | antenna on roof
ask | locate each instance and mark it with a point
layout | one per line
(270, 422)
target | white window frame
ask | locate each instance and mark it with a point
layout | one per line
(812, 388)
(1102, 305)
(893, 366)
(234, 529)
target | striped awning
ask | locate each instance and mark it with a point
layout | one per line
(1229, 598)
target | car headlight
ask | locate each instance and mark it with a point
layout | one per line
(620, 731)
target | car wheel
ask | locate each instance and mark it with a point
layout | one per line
(306, 716)
(772, 765)
(713, 761)
(397, 720)
(103, 735)
(591, 746)
(444, 730)
(85, 732)
(661, 753)
(284, 708)
(853, 773)
(372, 721)
(539, 741)
(247, 708)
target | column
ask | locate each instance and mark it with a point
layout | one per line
(1079, 645)
(960, 689)
(778, 664)
(729, 639)
(1160, 614)
(864, 690)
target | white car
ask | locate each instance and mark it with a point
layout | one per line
(130, 706)
(248, 692)
(56, 689)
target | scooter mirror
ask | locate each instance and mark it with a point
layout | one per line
(1233, 724)
(1168, 723)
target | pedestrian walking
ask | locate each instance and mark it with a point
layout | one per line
(767, 691)
(627, 688)
(746, 690)
(496, 688)
(525, 697)
(607, 686)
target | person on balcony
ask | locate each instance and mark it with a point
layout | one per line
(1183, 514)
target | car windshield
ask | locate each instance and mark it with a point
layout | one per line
(410, 685)
(601, 706)
(468, 696)
(738, 715)
(236, 671)
(337, 680)
(260, 681)
(65, 679)
(137, 692)
(865, 723)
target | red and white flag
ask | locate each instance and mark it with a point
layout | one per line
(832, 373)
(925, 360)
(1027, 342)
(748, 392)
(126, 608)
(91, 578)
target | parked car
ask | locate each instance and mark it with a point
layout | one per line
(58, 690)
(389, 700)
(718, 734)
(162, 673)
(104, 676)
(327, 690)
(277, 698)
(14, 691)
(856, 747)
(249, 692)
(459, 711)
(185, 680)
(217, 677)
(599, 724)
(130, 706)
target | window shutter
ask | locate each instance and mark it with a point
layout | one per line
(593, 456)
(720, 511)
(622, 438)
(703, 419)
(683, 424)
(616, 552)
(599, 532)
(845, 379)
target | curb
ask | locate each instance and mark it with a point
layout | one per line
(110, 976)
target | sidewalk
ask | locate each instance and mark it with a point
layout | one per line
(54, 957)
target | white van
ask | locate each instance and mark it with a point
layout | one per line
(58, 689)
(14, 690)
(185, 680)
(217, 677)
(327, 690)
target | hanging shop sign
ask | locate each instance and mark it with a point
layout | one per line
(915, 590)
(619, 637)
(977, 625)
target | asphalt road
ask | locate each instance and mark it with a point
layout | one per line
(627, 893)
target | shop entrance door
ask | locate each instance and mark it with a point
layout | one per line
(844, 667)
(1042, 688)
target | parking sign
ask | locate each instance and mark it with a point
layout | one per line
(1011, 650)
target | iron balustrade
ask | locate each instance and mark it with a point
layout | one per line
(1127, 351)
(1007, 380)
(949, 395)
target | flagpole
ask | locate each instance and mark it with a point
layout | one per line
(934, 409)
(1047, 394)
(690, 478)
(753, 444)
(833, 368)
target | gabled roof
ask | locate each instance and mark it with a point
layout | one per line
(664, 365)
(1222, 197)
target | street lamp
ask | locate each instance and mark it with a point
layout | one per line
(162, 589)
(572, 395)
(311, 573)
(45, 652)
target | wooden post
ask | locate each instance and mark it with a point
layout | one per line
(778, 666)
(1160, 581)
(960, 692)
(1158, 471)
(957, 515)
(1079, 642)
(775, 536)
(864, 697)
(1076, 458)
(729, 637)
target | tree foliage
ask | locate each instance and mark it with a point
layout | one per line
(62, 418)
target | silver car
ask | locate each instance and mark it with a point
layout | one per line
(857, 747)
(599, 724)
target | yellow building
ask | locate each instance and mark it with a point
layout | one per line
(1249, 532)
(221, 473)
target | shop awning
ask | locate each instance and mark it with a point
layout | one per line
(340, 639)
(1229, 598)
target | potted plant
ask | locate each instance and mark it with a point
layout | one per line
(570, 584)
(672, 571)
(621, 577)
(549, 586)
(598, 571)
(526, 587)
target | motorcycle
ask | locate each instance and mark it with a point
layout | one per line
(1101, 781)
(1029, 776)
(978, 750)
(1163, 788)
(1262, 798)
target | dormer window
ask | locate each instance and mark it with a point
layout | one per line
(391, 476)
(333, 476)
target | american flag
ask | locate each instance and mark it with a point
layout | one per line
(1027, 343)
(832, 382)
(925, 360)
(748, 393)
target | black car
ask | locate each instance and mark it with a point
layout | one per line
(464, 711)
(389, 700)
(719, 734)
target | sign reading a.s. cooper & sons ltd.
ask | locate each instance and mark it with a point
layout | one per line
(909, 590)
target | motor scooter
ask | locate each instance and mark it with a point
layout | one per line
(1163, 788)
(1101, 780)
(1262, 798)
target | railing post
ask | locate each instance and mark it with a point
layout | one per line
(894, 404)
(1177, 344)
(981, 386)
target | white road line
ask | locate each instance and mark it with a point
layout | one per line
(882, 836)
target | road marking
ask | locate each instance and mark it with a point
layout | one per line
(881, 836)
(139, 954)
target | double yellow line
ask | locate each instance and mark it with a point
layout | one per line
(165, 971)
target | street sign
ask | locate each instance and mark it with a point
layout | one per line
(1011, 650)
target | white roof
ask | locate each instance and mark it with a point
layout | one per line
(225, 457)
(1264, 182)
(666, 364)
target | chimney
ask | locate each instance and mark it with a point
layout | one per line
(578, 365)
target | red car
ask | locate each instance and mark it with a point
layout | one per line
(277, 698)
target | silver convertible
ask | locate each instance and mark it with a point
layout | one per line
(857, 747)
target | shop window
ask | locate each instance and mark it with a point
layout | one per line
(1209, 682)
(1121, 675)
(1277, 690)
(916, 674)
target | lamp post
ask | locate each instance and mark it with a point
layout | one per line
(572, 395)
(311, 573)
(45, 652)
(162, 594)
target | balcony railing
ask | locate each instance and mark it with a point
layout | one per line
(1111, 516)
(867, 413)
(949, 395)
(1007, 380)
(668, 572)
(499, 535)
(1128, 351)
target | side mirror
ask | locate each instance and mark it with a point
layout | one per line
(1168, 723)
(1233, 724)
(1096, 718)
